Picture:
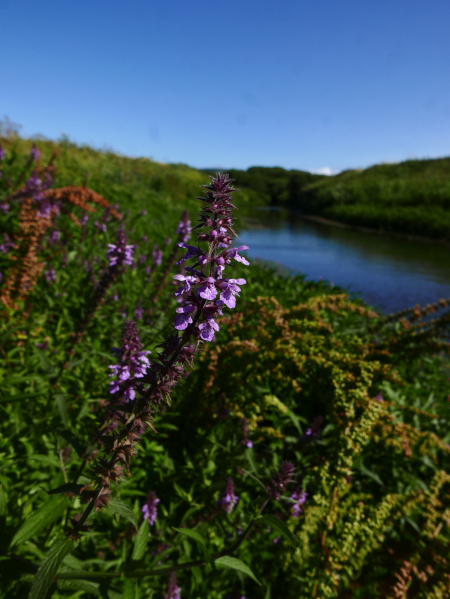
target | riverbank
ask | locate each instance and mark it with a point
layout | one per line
(410, 198)
(372, 231)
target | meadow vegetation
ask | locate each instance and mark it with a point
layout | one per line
(411, 197)
(304, 451)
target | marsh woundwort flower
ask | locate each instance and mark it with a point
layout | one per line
(173, 591)
(184, 229)
(196, 320)
(7, 244)
(313, 432)
(281, 479)
(227, 499)
(119, 253)
(53, 237)
(35, 153)
(156, 256)
(132, 363)
(100, 226)
(198, 295)
(50, 275)
(245, 439)
(299, 498)
(150, 509)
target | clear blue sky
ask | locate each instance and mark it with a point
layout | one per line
(301, 84)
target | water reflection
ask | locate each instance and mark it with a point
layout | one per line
(388, 272)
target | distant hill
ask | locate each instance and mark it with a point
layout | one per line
(411, 197)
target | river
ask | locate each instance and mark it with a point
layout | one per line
(388, 272)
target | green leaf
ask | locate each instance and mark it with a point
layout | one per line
(258, 480)
(3, 502)
(182, 493)
(227, 561)
(129, 588)
(373, 475)
(76, 444)
(414, 524)
(45, 515)
(195, 536)
(117, 506)
(140, 544)
(60, 401)
(48, 569)
(67, 488)
(20, 397)
(46, 364)
(275, 522)
(92, 588)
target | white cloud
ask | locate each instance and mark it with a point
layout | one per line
(325, 170)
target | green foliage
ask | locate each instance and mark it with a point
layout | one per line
(357, 402)
(411, 197)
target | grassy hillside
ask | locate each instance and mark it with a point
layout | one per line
(411, 197)
(136, 184)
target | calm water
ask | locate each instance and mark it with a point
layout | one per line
(389, 273)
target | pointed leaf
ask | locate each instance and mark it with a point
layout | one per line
(195, 536)
(76, 444)
(227, 561)
(373, 475)
(45, 515)
(60, 401)
(140, 544)
(117, 506)
(48, 569)
(281, 526)
(67, 488)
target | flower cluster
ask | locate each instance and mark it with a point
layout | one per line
(173, 591)
(299, 498)
(245, 438)
(156, 256)
(120, 254)
(132, 363)
(150, 509)
(198, 294)
(281, 479)
(227, 499)
(184, 228)
(313, 432)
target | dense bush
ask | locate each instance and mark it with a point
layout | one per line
(306, 453)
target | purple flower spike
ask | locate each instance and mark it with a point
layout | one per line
(227, 499)
(132, 363)
(184, 228)
(299, 497)
(120, 254)
(173, 591)
(281, 479)
(50, 275)
(157, 256)
(35, 153)
(2, 153)
(150, 509)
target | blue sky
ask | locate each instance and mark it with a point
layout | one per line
(316, 85)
